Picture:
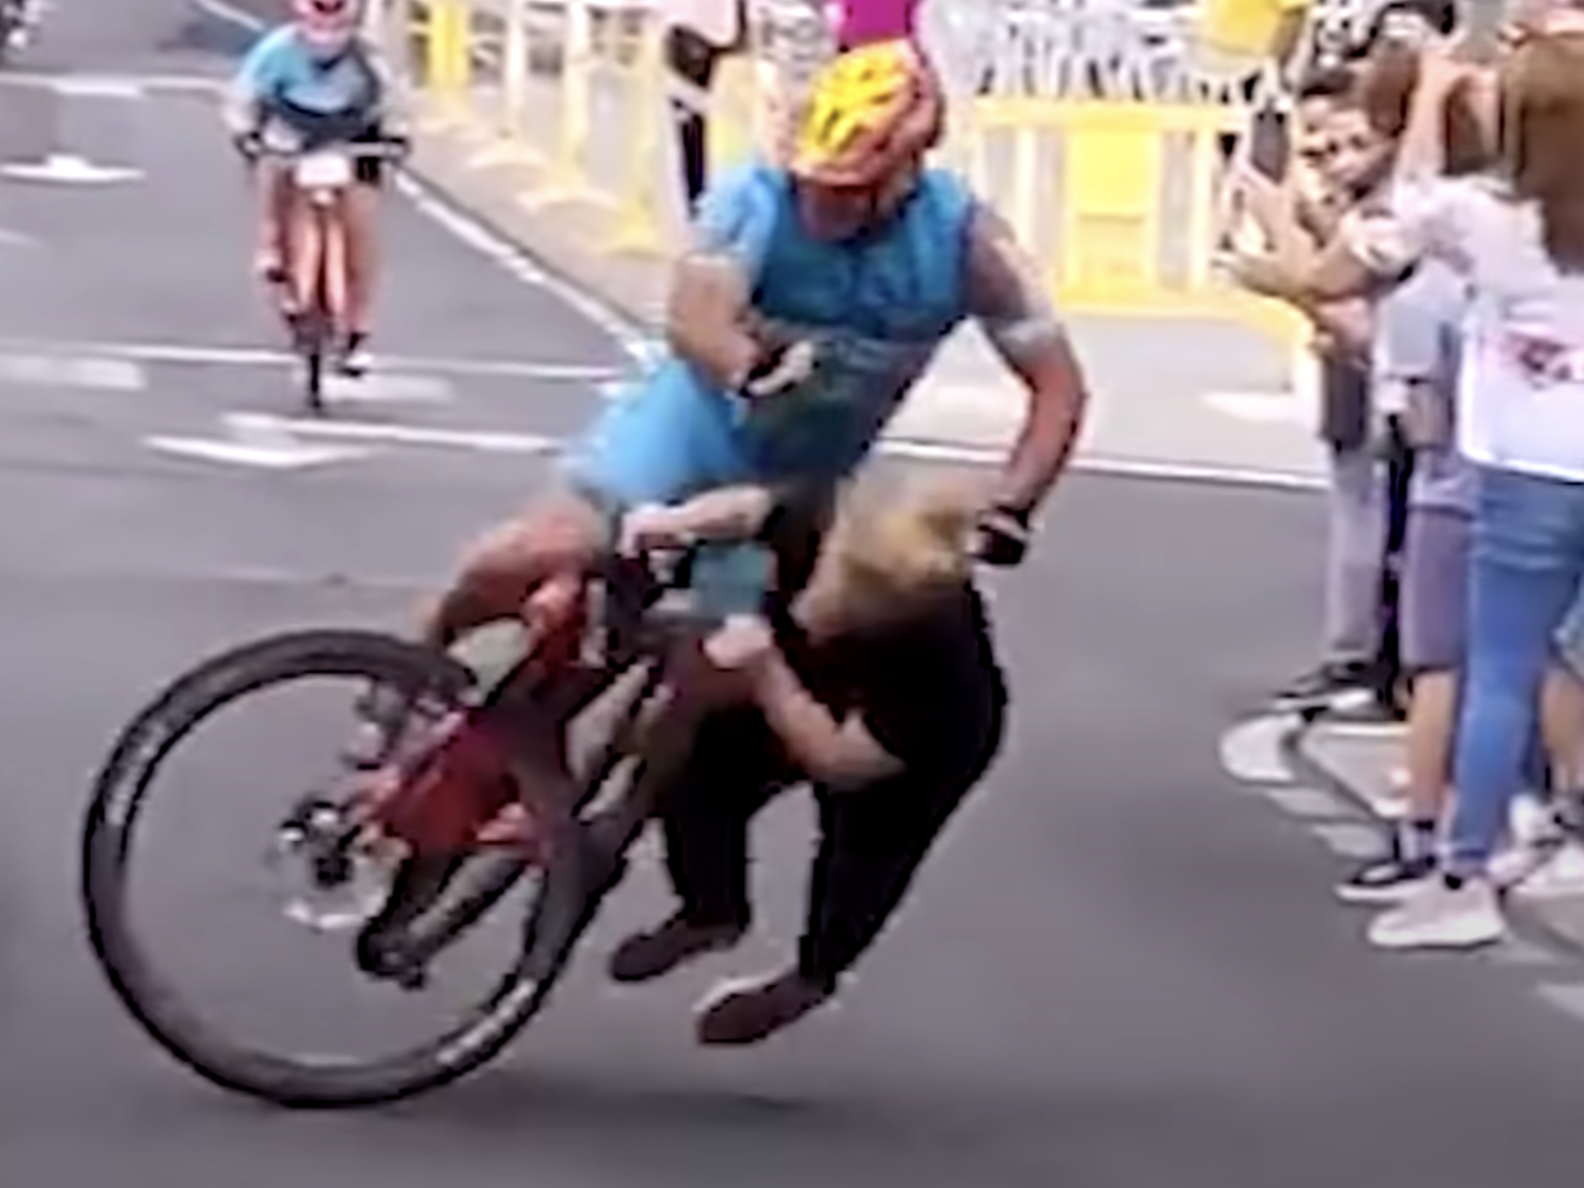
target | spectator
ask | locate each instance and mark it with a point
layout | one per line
(1334, 150)
(703, 32)
(1518, 239)
(1417, 346)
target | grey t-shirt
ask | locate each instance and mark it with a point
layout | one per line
(1414, 373)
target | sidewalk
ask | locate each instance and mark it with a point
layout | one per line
(1358, 761)
(1155, 380)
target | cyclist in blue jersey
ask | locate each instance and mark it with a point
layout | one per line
(811, 299)
(310, 83)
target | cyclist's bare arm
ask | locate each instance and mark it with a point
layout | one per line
(241, 112)
(1006, 297)
(708, 310)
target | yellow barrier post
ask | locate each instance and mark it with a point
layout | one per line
(1110, 228)
(447, 74)
(732, 113)
(568, 175)
(638, 230)
(511, 147)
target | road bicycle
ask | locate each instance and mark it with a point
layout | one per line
(414, 814)
(314, 290)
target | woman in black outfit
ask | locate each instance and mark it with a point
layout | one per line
(880, 687)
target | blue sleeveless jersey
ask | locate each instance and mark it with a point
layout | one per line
(878, 308)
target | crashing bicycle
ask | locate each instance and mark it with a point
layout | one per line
(778, 381)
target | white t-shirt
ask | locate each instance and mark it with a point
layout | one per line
(1521, 398)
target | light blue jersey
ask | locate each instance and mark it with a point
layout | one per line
(877, 308)
(321, 98)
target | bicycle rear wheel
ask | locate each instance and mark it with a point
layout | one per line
(304, 1082)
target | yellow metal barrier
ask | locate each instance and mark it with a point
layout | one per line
(1117, 198)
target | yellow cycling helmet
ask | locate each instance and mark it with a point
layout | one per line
(871, 111)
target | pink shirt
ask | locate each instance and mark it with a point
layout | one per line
(864, 22)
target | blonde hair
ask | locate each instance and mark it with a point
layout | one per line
(903, 537)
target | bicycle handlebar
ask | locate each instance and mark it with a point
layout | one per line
(382, 150)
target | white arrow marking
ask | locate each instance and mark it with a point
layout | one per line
(261, 442)
(69, 169)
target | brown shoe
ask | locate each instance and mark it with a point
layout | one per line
(747, 1011)
(653, 954)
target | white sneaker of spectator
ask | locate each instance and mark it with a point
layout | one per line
(1442, 914)
(1560, 876)
(1536, 839)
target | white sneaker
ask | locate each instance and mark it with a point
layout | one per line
(1560, 876)
(1437, 916)
(1531, 820)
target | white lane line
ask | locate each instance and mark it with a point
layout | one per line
(182, 353)
(113, 86)
(62, 371)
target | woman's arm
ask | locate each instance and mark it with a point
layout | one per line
(1336, 274)
(838, 752)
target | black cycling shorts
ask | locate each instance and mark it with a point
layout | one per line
(369, 171)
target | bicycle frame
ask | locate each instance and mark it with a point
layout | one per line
(320, 184)
(630, 634)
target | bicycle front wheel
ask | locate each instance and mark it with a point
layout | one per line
(123, 788)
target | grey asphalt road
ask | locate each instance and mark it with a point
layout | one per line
(1117, 970)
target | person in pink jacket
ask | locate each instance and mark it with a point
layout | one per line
(864, 22)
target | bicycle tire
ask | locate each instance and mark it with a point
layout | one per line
(118, 794)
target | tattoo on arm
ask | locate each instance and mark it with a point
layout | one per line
(1004, 289)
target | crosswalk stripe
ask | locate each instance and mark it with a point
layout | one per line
(61, 371)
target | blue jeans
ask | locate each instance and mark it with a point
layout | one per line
(1527, 564)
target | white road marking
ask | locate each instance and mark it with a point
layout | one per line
(390, 367)
(261, 443)
(88, 86)
(1252, 751)
(1309, 804)
(1348, 839)
(15, 239)
(113, 86)
(386, 388)
(69, 169)
(479, 441)
(67, 371)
